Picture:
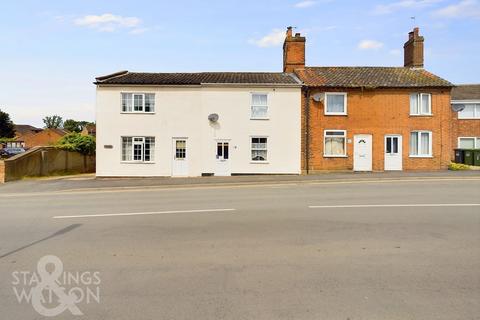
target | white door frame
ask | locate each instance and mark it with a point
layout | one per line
(179, 165)
(222, 165)
(399, 152)
(369, 155)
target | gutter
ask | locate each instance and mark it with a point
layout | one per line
(207, 85)
(465, 101)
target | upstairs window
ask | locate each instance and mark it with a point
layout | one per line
(471, 111)
(259, 149)
(420, 144)
(138, 149)
(336, 103)
(420, 104)
(259, 106)
(138, 102)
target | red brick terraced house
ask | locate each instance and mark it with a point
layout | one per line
(372, 118)
(466, 116)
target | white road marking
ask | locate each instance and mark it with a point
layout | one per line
(141, 213)
(398, 205)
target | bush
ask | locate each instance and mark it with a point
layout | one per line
(458, 166)
(76, 142)
(5, 140)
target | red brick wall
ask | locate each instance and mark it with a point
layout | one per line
(379, 112)
(463, 128)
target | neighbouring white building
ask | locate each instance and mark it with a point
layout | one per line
(193, 124)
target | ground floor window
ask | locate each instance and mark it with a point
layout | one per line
(335, 143)
(138, 149)
(259, 149)
(420, 144)
(469, 142)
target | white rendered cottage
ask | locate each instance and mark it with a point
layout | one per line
(193, 124)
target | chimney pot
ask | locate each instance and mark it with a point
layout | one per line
(289, 32)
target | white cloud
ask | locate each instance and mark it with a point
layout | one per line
(370, 45)
(108, 22)
(463, 9)
(403, 4)
(274, 38)
(305, 4)
(138, 31)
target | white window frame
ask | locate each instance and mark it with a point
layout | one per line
(476, 142)
(142, 143)
(344, 113)
(344, 136)
(419, 96)
(251, 149)
(476, 110)
(143, 94)
(252, 117)
(430, 138)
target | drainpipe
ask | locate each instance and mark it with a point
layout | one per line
(307, 129)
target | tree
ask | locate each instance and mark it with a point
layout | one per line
(53, 122)
(71, 125)
(76, 142)
(7, 129)
(75, 126)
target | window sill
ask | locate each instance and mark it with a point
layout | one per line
(415, 156)
(137, 162)
(259, 162)
(335, 114)
(335, 156)
(259, 118)
(468, 118)
(137, 112)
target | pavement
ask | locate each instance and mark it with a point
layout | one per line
(90, 182)
(333, 246)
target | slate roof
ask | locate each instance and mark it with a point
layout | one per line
(143, 78)
(369, 77)
(466, 92)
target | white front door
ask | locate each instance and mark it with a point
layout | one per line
(393, 152)
(362, 149)
(222, 158)
(180, 157)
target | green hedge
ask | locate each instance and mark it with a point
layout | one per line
(5, 140)
(76, 142)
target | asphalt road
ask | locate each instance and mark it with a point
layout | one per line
(315, 250)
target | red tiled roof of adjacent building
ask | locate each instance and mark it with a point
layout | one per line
(369, 77)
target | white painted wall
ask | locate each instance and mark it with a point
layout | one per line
(183, 112)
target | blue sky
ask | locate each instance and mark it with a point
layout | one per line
(52, 50)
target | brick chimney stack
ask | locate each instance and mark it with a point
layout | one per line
(413, 50)
(293, 51)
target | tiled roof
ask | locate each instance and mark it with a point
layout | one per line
(142, 78)
(22, 129)
(373, 77)
(466, 92)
